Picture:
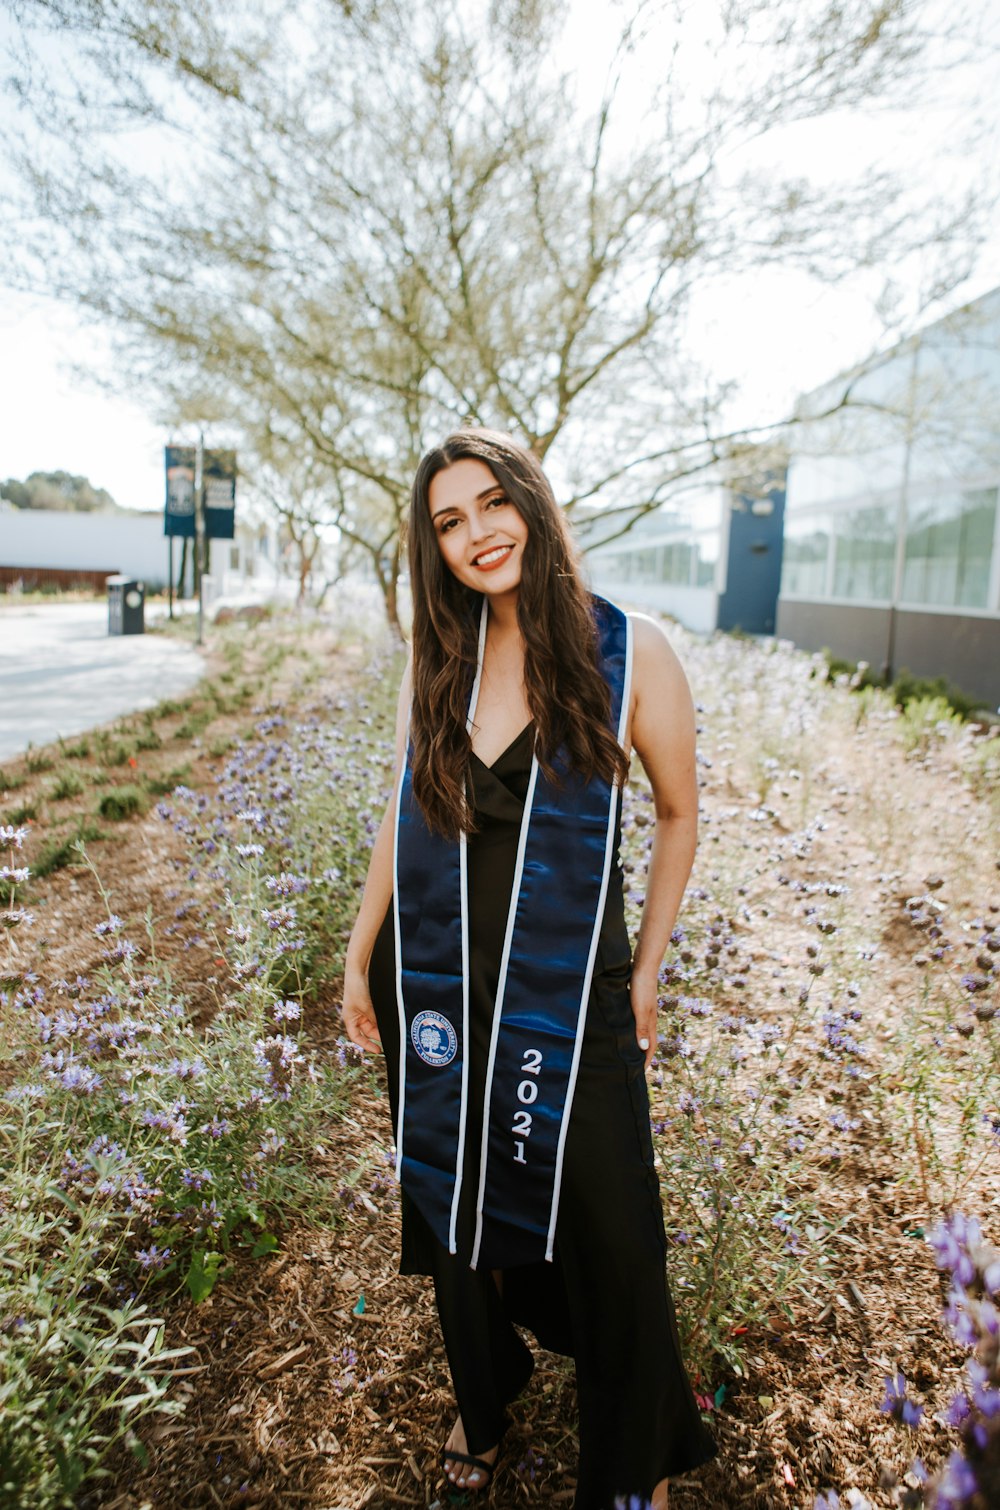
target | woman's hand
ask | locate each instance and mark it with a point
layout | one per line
(359, 1014)
(644, 996)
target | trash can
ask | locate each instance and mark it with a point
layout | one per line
(126, 606)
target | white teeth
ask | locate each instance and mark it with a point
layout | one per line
(491, 556)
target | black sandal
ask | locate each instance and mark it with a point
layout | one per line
(451, 1456)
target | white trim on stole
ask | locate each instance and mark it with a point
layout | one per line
(400, 1007)
(505, 961)
(598, 922)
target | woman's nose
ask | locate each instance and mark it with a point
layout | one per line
(482, 526)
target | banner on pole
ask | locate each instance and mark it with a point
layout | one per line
(219, 482)
(178, 513)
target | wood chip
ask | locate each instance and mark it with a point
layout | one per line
(271, 1370)
(411, 1463)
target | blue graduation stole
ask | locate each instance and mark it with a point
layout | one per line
(564, 860)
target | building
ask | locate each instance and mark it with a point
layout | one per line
(40, 547)
(710, 557)
(892, 523)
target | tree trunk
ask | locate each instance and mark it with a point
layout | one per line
(391, 604)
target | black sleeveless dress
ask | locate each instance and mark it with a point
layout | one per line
(604, 1299)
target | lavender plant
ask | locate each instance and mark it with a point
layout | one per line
(140, 1147)
(737, 1117)
(969, 1479)
(941, 1074)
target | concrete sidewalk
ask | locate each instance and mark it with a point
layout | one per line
(61, 673)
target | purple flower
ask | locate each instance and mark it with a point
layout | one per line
(957, 1484)
(951, 1241)
(279, 917)
(15, 917)
(80, 1077)
(958, 1411)
(897, 1405)
(285, 885)
(153, 1258)
(958, 1320)
(187, 1069)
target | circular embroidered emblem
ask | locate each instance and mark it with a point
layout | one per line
(434, 1038)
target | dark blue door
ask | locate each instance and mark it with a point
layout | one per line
(753, 575)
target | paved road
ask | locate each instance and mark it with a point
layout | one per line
(61, 673)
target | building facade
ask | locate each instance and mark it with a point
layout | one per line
(892, 519)
(710, 558)
(49, 546)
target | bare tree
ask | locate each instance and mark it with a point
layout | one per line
(373, 222)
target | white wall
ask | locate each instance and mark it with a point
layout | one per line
(696, 608)
(133, 544)
(130, 543)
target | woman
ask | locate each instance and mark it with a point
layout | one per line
(490, 962)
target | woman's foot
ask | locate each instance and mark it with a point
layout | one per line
(463, 1474)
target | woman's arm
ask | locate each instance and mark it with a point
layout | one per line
(357, 1009)
(663, 734)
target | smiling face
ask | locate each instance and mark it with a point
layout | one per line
(480, 534)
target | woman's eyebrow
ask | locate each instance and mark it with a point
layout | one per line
(453, 508)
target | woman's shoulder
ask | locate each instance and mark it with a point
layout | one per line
(655, 662)
(649, 637)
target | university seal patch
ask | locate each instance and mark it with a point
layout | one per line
(434, 1038)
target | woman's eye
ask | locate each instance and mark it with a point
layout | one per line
(496, 502)
(446, 525)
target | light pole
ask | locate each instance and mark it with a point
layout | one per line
(199, 530)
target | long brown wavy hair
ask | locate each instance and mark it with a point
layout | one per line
(568, 697)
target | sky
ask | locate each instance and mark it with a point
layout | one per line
(776, 337)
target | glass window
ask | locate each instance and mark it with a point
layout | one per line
(806, 548)
(706, 554)
(864, 555)
(645, 565)
(949, 545)
(677, 563)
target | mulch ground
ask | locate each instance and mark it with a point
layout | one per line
(296, 1394)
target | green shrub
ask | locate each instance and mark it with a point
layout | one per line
(60, 852)
(926, 719)
(904, 689)
(170, 706)
(27, 812)
(38, 761)
(159, 786)
(908, 688)
(194, 724)
(122, 802)
(67, 784)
